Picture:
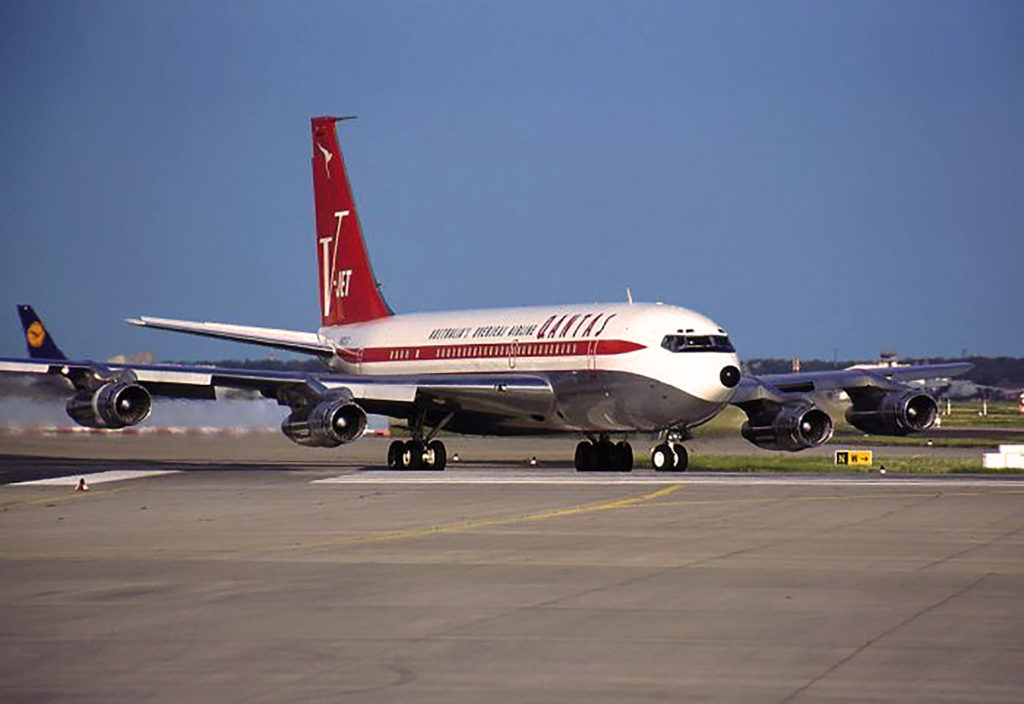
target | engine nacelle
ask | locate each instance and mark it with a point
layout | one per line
(794, 427)
(328, 424)
(113, 405)
(893, 413)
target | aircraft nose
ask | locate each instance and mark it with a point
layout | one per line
(729, 376)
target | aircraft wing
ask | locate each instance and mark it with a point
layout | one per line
(395, 396)
(782, 413)
(882, 378)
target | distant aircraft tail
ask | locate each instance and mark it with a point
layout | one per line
(38, 341)
(348, 289)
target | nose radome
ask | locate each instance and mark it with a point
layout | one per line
(729, 376)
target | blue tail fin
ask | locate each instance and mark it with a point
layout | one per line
(38, 341)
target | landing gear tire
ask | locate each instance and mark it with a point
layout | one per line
(584, 459)
(436, 456)
(662, 458)
(395, 450)
(682, 458)
(669, 458)
(624, 456)
(412, 455)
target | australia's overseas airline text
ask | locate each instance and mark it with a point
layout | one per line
(566, 325)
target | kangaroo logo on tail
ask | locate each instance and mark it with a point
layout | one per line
(327, 159)
(348, 289)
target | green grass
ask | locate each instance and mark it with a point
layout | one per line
(1001, 414)
(857, 438)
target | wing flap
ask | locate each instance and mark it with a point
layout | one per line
(24, 366)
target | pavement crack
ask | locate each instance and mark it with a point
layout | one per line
(802, 536)
(970, 548)
(889, 631)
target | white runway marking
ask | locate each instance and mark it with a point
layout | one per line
(519, 477)
(98, 477)
(495, 477)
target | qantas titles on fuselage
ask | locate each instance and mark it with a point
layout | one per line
(575, 334)
(517, 339)
(455, 342)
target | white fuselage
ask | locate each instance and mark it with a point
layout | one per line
(626, 339)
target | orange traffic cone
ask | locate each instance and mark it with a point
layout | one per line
(81, 485)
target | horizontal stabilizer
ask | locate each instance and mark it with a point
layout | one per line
(291, 340)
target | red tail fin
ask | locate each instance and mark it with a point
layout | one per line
(348, 290)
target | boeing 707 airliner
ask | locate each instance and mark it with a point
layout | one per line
(601, 371)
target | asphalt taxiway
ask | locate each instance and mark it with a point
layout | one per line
(252, 575)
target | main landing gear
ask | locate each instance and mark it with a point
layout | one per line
(603, 455)
(419, 453)
(416, 454)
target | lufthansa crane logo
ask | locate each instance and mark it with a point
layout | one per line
(35, 334)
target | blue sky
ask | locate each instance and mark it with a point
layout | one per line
(819, 177)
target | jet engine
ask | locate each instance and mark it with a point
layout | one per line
(892, 413)
(113, 405)
(330, 423)
(791, 427)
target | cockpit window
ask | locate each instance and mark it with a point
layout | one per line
(697, 343)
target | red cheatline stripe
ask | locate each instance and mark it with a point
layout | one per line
(502, 350)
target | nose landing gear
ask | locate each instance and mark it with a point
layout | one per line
(670, 457)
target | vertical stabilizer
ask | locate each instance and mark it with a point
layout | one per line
(348, 289)
(37, 340)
